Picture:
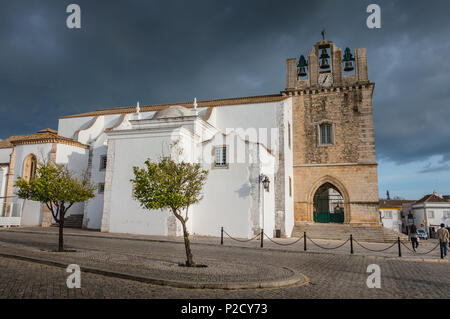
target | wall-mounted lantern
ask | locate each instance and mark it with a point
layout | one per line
(265, 181)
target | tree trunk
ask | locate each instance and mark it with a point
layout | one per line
(187, 245)
(61, 235)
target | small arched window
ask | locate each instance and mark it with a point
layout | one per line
(30, 167)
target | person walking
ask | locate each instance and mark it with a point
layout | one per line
(414, 236)
(444, 238)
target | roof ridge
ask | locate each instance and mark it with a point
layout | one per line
(201, 103)
(188, 102)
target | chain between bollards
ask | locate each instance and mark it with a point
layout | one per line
(304, 241)
(351, 244)
(399, 247)
(221, 236)
(262, 238)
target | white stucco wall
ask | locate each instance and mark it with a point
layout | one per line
(101, 123)
(226, 203)
(393, 223)
(232, 195)
(94, 207)
(31, 211)
(125, 213)
(3, 181)
(5, 154)
(421, 213)
(68, 126)
(76, 159)
(268, 169)
(288, 166)
(228, 199)
(246, 116)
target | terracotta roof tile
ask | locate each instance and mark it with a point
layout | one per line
(432, 198)
(5, 143)
(46, 136)
(393, 203)
(208, 103)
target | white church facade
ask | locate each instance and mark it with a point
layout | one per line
(239, 141)
(313, 142)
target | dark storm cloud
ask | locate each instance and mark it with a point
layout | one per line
(169, 51)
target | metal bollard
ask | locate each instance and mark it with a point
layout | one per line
(304, 241)
(399, 247)
(221, 236)
(262, 238)
(351, 244)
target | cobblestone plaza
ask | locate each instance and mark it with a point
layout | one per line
(329, 275)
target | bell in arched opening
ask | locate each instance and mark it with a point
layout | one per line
(348, 60)
(324, 64)
(302, 66)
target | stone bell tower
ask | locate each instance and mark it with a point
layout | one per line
(335, 168)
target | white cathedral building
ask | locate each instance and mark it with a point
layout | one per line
(241, 142)
(276, 162)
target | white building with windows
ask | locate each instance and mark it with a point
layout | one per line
(430, 212)
(391, 211)
(240, 141)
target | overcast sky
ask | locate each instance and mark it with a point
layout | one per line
(170, 51)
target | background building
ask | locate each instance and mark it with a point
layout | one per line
(430, 212)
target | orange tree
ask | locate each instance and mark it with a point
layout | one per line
(58, 188)
(170, 185)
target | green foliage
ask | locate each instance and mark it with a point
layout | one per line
(168, 185)
(55, 186)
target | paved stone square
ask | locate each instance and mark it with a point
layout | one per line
(330, 275)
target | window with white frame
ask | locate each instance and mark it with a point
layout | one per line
(101, 188)
(430, 214)
(446, 214)
(220, 157)
(325, 134)
(388, 214)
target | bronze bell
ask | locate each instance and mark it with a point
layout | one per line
(324, 60)
(302, 72)
(348, 59)
(348, 66)
(301, 67)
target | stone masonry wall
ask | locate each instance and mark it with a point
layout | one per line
(349, 164)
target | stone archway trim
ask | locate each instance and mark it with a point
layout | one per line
(339, 186)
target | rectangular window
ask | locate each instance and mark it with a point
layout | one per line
(388, 214)
(101, 188)
(431, 214)
(326, 137)
(290, 186)
(103, 162)
(220, 157)
(289, 134)
(446, 214)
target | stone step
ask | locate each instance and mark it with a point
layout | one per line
(343, 232)
(72, 221)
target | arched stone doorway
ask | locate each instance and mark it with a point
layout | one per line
(329, 202)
